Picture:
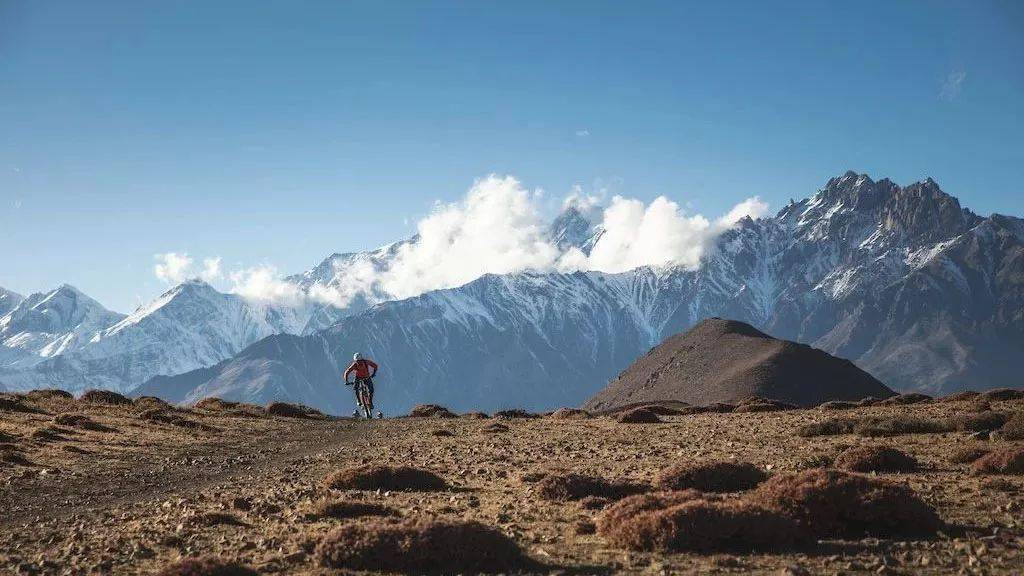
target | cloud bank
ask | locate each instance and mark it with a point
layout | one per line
(497, 228)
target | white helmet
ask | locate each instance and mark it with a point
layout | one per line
(356, 357)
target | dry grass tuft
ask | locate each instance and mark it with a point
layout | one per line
(982, 421)
(494, 428)
(837, 405)
(758, 404)
(286, 410)
(340, 509)
(869, 401)
(384, 477)
(104, 397)
(49, 394)
(831, 503)
(214, 404)
(1002, 394)
(12, 456)
(476, 415)
(960, 396)
(514, 413)
(570, 414)
(216, 519)
(572, 486)
(1014, 427)
(12, 403)
(722, 476)
(896, 425)
(206, 566)
(639, 416)
(1004, 461)
(876, 459)
(149, 402)
(418, 546)
(968, 454)
(442, 432)
(169, 416)
(906, 399)
(687, 521)
(49, 434)
(81, 421)
(431, 411)
(828, 427)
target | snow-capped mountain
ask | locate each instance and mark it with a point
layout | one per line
(48, 324)
(915, 289)
(190, 326)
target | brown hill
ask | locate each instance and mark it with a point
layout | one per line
(726, 361)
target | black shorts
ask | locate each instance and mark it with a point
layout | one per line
(369, 384)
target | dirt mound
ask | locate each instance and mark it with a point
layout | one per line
(572, 486)
(875, 426)
(875, 459)
(982, 421)
(1014, 427)
(494, 428)
(206, 566)
(81, 421)
(170, 416)
(384, 477)
(837, 405)
(905, 399)
(1004, 461)
(639, 416)
(149, 402)
(830, 427)
(13, 403)
(570, 414)
(431, 411)
(721, 476)
(287, 410)
(726, 361)
(417, 546)
(687, 521)
(514, 413)
(961, 396)
(1003, 394)
(348, 509)
(968, 454)
(762, 405)
(831, 503)
(214, 404)
(49, 394)
(104, 397)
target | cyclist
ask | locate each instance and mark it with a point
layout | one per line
(364, 369)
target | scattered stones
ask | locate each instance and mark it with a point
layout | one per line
(384, 477)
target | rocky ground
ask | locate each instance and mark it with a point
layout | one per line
(101, 487)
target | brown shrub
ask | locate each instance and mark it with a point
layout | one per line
(834, 503)
(384, 477)
(720, 407)
(216, 519)
(148, 402)
(896, 425)
(968, 454)
(206, 566)
(49, 394)
(868, 401)
(494, 428)
(828, 427)
(11, 403)
(514, 413)
(5, 437)
(684, 521)
(960, 396)
(837, 405)
(442, 432)
(905, 399)
(875, 459)
(431, 411)
(287, 410)
(570, 414)
(639, 416)
(214, 404)
(584, 528)
(49, 434)
(1004, 461)
(572, 486)
(347, 509)
(771, 406)
(982, 421)
(420, 546)
(169, 416)
(594, 502)
(11, 455)
(1014, 427)
(722, 476)
(81, 421)
(998, 394)
(104, 397)
(476, 415)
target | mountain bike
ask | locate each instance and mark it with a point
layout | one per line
(362, 391)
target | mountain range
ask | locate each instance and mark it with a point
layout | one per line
(918, 291)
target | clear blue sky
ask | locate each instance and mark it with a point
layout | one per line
(282, 131)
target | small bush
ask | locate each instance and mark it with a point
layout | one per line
(1014, 427)
(639, 416)
(105, 397)
(81, 421)
(11, 455)
(720, 407)
(206, 566)
(148, 402)
(1000, 394)
(572, 486)
(570, 414)
(442, 432)
(961, 396)
(476, 415)
(875, 459)
(169, 416)
(968, 454)
(1004, 461)
(49, 394)
(868, 401)
(983, 421)
(431, 411)
(15, 404)
(906, 399)
(897, 425)
(49, 434)
(214, 404)
(514, 414)
(837, 405)
(594, 502)
(216, 519)
(287, 410)
(340, 509)
(831, 503)
(384, 477)
(685, 521)
(494, 428)
(448, 546)
(772, 406)
(828, 427)
(722, 476)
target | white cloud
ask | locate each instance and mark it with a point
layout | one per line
(264, 284)
(752, 207)
(953, 85)
(583, 133)
(211, 269)
(172, 267)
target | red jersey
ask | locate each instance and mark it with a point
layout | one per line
(362, 368)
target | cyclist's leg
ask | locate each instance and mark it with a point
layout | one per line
(369, 393)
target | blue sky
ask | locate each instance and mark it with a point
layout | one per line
(278, 132)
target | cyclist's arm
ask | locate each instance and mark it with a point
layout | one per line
(373, 365)
(349, 370)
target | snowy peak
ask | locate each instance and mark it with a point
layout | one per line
(9, 301)
(922, 212)
(576, 227)
(61, 310)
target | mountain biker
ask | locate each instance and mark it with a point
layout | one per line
(362, 367)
